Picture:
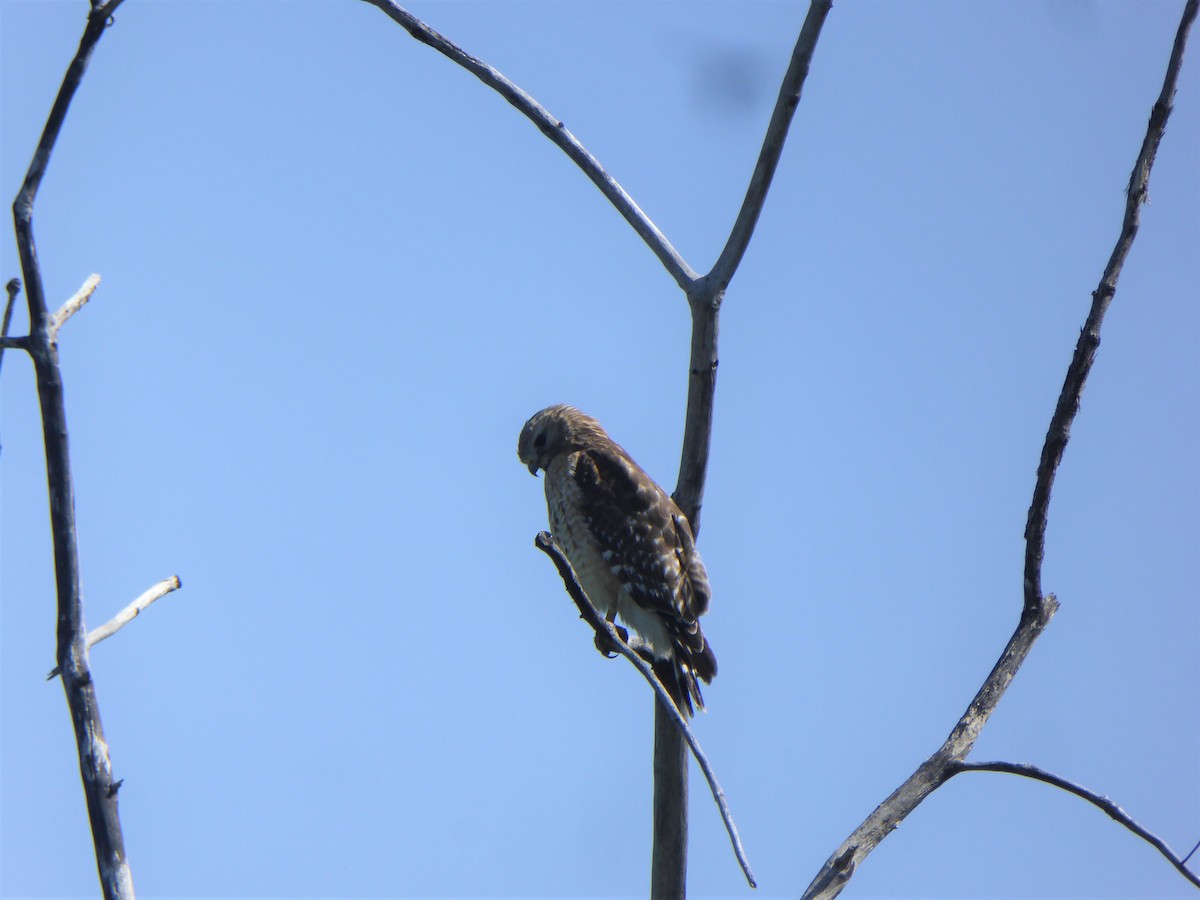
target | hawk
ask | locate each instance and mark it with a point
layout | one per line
(628, 542)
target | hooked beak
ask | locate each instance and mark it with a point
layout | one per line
(533, 467)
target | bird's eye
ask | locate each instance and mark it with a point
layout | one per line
(540, 440)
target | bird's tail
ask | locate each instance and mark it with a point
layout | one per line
(682, 674)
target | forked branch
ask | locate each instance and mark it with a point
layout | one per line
(1037, 610)
(95, 766)
(705, 295)
(127, 615)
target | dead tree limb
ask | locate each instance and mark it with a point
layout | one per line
(127, 615)
(1136, 193)
(95, 766)
(554, 129)
(13, 288)
(1114, 812)
(1036, 610)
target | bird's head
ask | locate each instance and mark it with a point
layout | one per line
(554, 430)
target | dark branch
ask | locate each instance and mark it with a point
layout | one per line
(1089, 339)
(704, 300)
(772, 148)
(1037, 610)
(607, 636)
(556, 131)
(706, 295)
(13, 288)
(697, 428)
(94, 763)
(1114, 812)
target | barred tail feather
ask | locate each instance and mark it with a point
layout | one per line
(680, 684)
(682, 679)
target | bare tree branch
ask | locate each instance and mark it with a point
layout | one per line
(127, 615)
(95, 766)
(607, 636)
(73, 305)
(1089, 338)
(772, 148)
(12, 288)
(556, 131)
(1114, 812)
(1037, 610)
(131, 612)
(936, 770)
(706, 296)
(704, 300)
(669, 863)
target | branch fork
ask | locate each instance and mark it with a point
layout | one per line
(1037, 610)
(127, 615)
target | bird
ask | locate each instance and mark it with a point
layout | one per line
(630, 545)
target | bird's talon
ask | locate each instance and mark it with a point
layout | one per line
(605, 645)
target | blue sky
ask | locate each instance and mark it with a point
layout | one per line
(340, 273)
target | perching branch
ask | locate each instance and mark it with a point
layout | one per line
(95, 767)
(608, 636)
(1037, 610)
(127, 615)
(1114, 812)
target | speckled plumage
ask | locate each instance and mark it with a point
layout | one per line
(628, 542)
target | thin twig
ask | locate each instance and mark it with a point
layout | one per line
(127, 615)
(604, 629)
(1037, 610)
(13, 288)
(556, 131)
(95, 765)
(1114, 812)
(73, 305)
(772, 147)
